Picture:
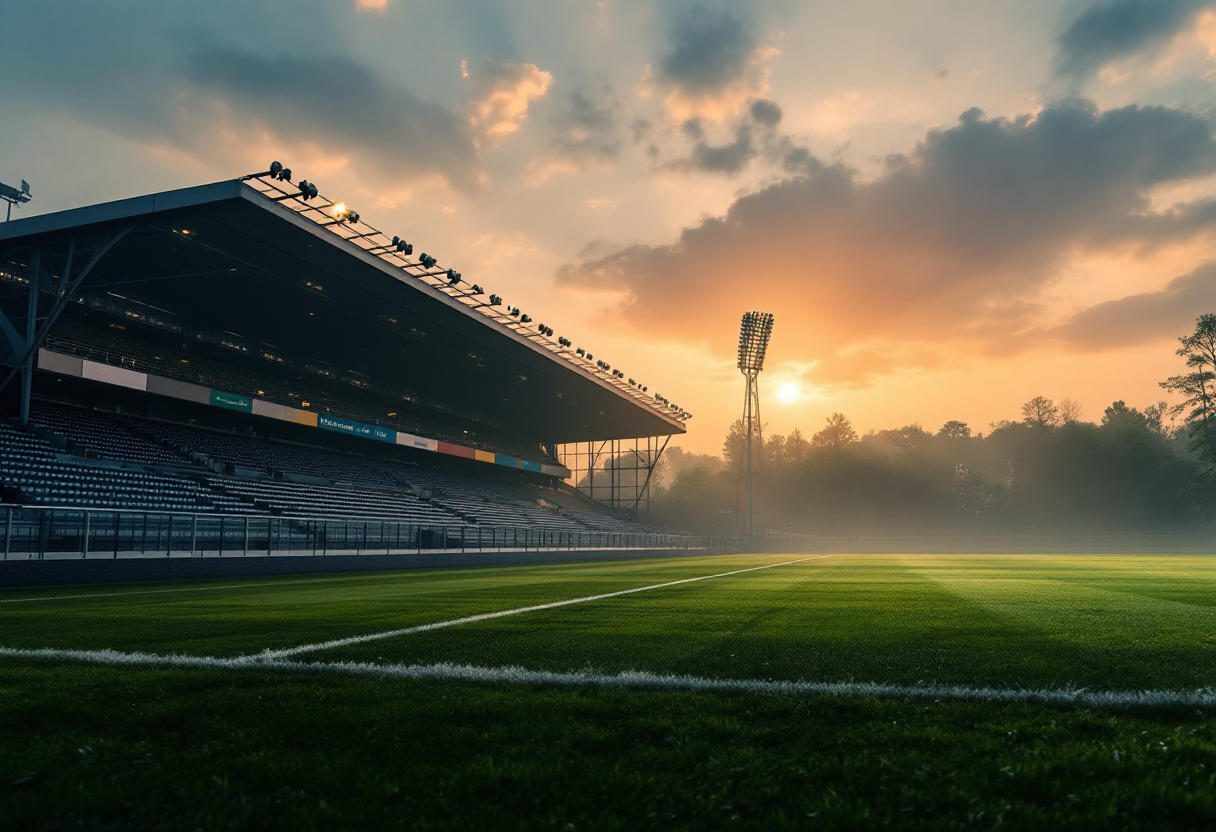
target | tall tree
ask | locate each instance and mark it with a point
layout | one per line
(1198, 388)
(1070, 411)
(796, 447)
(839, 431)
(955, 429)
(1041, 411)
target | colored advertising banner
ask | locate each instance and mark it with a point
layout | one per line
(357, 429)
(231, 401)
(108, 374)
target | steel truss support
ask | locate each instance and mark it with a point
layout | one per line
(617, 473)
(20, 354)
(754, 453)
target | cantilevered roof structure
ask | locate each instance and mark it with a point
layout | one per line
(256, 259)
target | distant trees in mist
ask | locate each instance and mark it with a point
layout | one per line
(1048, 471)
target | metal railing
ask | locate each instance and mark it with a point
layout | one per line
(45, 532)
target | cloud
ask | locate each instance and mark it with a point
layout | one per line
(1141, 318)
(587, 129)
(501, 93)
(754, 134)
(1115, 29)
(952, 244)
(586, 134)
(714, 67)
(710, 50)
(341, 102)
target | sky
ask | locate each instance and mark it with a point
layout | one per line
(950, 207)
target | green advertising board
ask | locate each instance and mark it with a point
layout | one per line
(231, 401)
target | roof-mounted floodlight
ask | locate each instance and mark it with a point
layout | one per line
(307, 190)
(14, 196)
(428, 262)
(495, 300)
(525, 319)
(453, 277)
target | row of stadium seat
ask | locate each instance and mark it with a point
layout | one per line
(30, 467)
(101, 434)
(360, 487)
(298, 500)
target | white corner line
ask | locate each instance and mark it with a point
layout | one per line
(643, 681)
(487, 616)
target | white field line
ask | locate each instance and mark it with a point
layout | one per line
(636, 680)
(487, 616)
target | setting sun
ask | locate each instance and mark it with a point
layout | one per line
(789, 392)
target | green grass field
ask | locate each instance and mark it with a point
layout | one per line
(88, 743)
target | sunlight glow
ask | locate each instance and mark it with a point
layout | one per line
(789, 392)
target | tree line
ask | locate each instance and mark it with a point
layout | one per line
(1049, 470)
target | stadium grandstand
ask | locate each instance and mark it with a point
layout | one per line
(251, 364)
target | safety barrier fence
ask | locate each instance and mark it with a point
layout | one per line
(40, 532)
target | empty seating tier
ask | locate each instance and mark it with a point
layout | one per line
(88, 459)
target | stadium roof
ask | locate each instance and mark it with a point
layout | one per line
(250, 258)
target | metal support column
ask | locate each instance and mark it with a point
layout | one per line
(31, 330)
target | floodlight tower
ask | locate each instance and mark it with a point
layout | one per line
(754, 334)
(14, 197)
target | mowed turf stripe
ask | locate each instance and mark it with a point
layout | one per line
(641, 680)
(488, 616)
(117, 594)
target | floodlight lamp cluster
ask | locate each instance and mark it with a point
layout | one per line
(754, 334)
(341, 214)
(17, 196)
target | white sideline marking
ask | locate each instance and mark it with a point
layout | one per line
(115, 594)
(487, 616)
(637, 680)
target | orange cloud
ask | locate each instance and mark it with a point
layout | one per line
(501, 94)
(949, 251)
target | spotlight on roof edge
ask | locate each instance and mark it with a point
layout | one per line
(342, 213)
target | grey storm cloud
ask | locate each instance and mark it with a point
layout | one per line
(754, 135)
(203, 77)
(341, 101)
(587, 127)
(1148, 316)
(709, 50)
(1109, 31)
(955, 239)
